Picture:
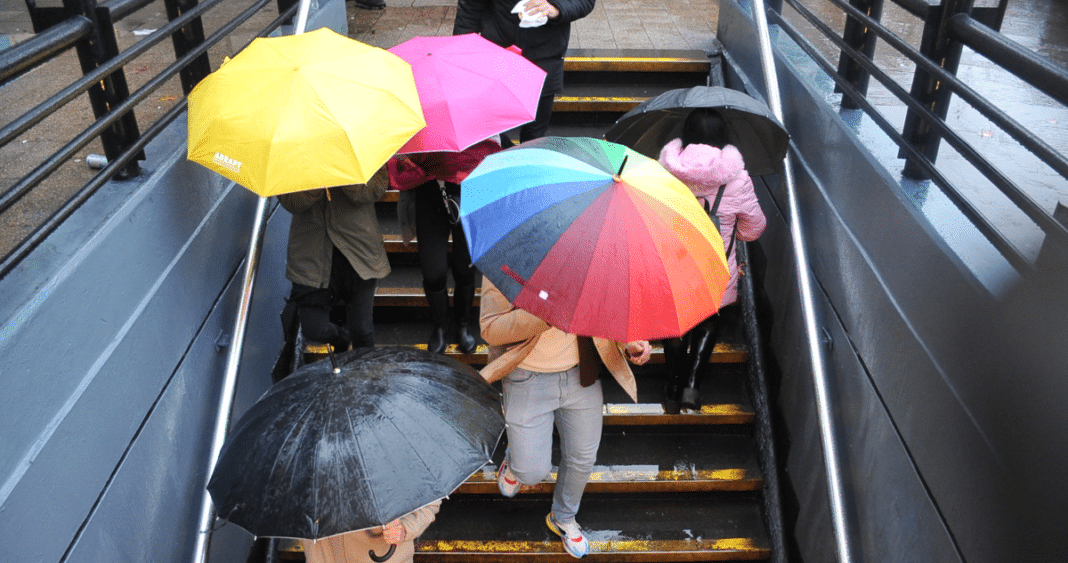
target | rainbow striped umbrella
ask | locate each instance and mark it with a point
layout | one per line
(594, 238)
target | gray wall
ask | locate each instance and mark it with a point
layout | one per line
(918, 370)
(113, 344)
(111, 368)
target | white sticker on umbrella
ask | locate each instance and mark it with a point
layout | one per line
(544, 295)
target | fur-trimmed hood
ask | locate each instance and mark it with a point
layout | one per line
(703, 168)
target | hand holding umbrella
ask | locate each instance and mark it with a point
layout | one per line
(594, 238)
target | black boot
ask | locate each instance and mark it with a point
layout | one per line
(463, 299)
(702, 341)
(674, 358)
(439, 313)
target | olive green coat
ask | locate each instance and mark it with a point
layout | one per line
(347, 220)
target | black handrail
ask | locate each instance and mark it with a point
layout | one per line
(49, 165)
(757, 380)
(1032, 67)
(1002, 244)
(1037, 71)
(991, 42)
(43, 46)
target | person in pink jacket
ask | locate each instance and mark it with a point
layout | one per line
(715, 173)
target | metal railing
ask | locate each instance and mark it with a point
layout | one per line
(948, 27)
(89, 29)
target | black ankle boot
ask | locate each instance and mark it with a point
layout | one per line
(701, 344)
(462, 301)
(439, 313)
(674, 354)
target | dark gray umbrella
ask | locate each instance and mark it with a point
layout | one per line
(322, 453)
(751, 126)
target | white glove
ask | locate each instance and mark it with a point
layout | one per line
(528, 20)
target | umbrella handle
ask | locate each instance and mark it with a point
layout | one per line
(381, 558)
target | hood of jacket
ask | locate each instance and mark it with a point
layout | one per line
(703, 168)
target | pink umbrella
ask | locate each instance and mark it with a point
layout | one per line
(470, 89)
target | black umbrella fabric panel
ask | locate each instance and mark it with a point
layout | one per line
(323, 453)
(752, 128)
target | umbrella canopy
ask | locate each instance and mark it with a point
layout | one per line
(594, 238)
(470, 88)
(323, 453)
(751, 127)
(306, 111)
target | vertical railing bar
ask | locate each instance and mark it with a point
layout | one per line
(19, 190)
(1039, 148)
(986, 228)
(78, 87)
(13, 257)
(1019, 133)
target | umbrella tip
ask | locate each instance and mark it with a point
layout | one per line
(333, 362)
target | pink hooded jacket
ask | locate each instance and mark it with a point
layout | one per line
(704, 169)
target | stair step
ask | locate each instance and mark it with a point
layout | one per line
(644, 414)
(651, 463)
(632, 528)
(723, 353)
(403, 287)
(633, 60)
(619, 104)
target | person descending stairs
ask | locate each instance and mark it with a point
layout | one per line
(667, 485)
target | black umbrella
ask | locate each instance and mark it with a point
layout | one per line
(329, 451)
(751, 126)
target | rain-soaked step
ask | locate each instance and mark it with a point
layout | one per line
(600, 85)
(632, 527)
(403, 287)
(613, 80)
(651, 462)
(400, 326)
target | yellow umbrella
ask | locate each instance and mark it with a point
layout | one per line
(300, 112)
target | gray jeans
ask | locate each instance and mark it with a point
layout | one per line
(532, 403)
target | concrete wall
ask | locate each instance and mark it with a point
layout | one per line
(111, 363)
(113, 343)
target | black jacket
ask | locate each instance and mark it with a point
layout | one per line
(544, 46)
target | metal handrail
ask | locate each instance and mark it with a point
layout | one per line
(999, 50)
(1037, 71)
(43, 46)
(840, 505)
(26, 183)
(1032, 69)
(984, 225)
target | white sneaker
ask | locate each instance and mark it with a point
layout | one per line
(575, 542)
(506, 480)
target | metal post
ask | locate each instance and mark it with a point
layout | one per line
(938, 46)
(233, 359)
(112, 90)
(188, 38)
(858, 36)
(843, 525)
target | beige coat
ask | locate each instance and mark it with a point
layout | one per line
(512, 333)
(353, 547)
(346, 220)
